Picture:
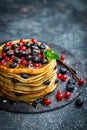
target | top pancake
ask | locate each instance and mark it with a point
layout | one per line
(27, 47)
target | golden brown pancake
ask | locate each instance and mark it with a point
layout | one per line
(25, 73)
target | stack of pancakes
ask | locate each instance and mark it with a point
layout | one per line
(25, 74)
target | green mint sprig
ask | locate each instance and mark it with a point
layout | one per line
(51, 55)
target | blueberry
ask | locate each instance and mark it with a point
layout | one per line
(14, 46)
(24, 75)
(1, 58)
(62, 70)
(42, 46)
(27, 45)
(9, 53)
(5, 48)
(27, 53)
(35, 59)
(47, 82)
(44, 61)
(18, 94)
(34, 46)
(70, 85)
(55, 67)
(16, 52)
(30, 65)
(19, 44)
(34, 53)
(13, 65)
(17, 60)
(71, 81)
(28, 58)
(56, 81)
(79, 102)
(21, 53)
(14, 80)
(42, 51)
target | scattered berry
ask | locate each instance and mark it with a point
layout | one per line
(59, 75)
(62, 57)
(47, 101)
(59, 92)
(62, 70)
(60, 96)
(81, 81)
(33, 40)
(70, 87)
(64, 77)
(67, 95)
(79, 102)
(71, 81)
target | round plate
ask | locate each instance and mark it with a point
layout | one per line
(38, 106)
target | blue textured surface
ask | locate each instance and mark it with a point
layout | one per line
(60, 22)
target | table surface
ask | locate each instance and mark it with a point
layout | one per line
(60, 22)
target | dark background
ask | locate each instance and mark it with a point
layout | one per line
(61, 22)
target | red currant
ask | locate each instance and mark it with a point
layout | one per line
(47, 101)
(3, 54)
(67, 95)
(2, 62)
(64, 77)
(7, 58)
(22, 48)
(33, 40)
(59, 92)
(36, 65)
(62, 57)
(40, 55)
(22, 41)
(23, 62)
(29, 62)
(59, 75)
(12, 57)
(60, 96)
(22, 58)
(9, 43)
(81, 81)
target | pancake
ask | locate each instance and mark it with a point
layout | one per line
(26, 74)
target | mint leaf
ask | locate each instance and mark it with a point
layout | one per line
(51, 55)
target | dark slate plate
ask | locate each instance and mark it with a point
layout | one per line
(21, 107)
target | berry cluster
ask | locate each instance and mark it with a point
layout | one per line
(25, 53)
